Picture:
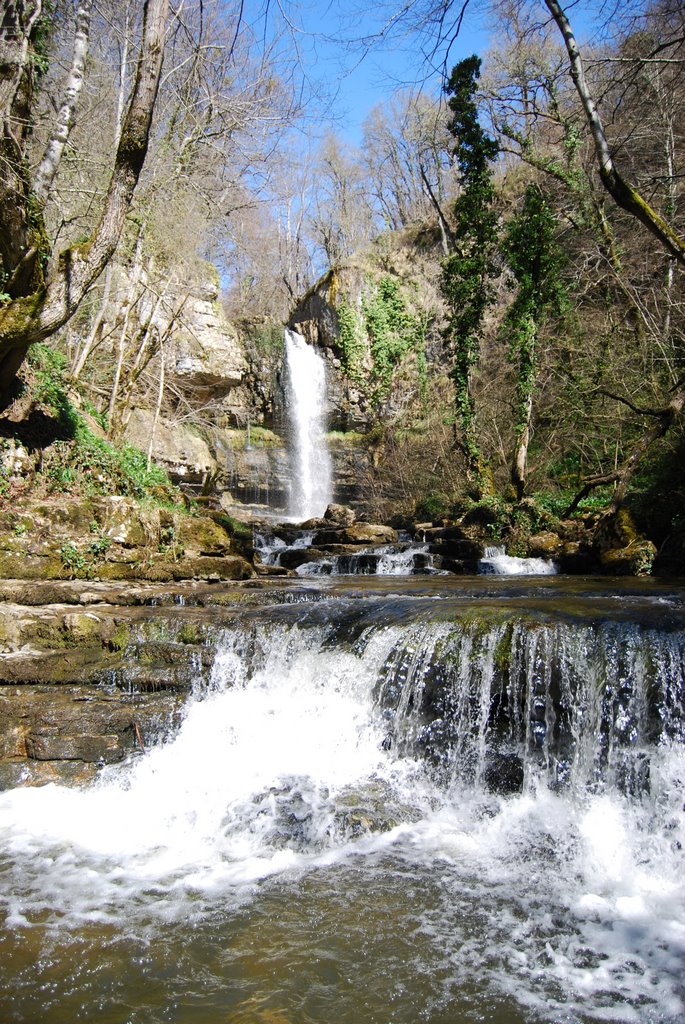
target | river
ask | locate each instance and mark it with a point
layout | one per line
(397, 800)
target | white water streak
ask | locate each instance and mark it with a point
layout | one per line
(497, 563)
(312, 487)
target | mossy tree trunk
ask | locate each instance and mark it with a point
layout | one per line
(41, 294)
(622, 191)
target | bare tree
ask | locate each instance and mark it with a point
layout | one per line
(625, 195)
(343, 217)
(41, 295)
(408, 155)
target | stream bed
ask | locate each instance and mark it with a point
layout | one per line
(395, 800)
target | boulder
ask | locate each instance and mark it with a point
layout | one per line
(202, 535)
(370, 534)
(635, 559)
(622, 550)
(544, 545)
(291, 558)
(121, 522)
(576, 558)
(340, 515)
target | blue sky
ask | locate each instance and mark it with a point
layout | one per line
(361, 77)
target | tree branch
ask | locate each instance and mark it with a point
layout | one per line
(35, 317)
(622, 192)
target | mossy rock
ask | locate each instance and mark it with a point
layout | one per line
(121, 522)
(200, 535)
(30, 567)
(203, 567)
(78, 665)
(67, 514)
(616, 531)
(635, 559)
(544, 545)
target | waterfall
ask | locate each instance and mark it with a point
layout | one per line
(306, 406)
(377, 804)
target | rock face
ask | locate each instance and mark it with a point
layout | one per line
(114, 538)
(315, 318)
(209, 360)
(176, 447)
(96, 680)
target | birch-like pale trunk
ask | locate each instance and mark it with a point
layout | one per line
(36, 316)
(52, 157)
(131, 299)
(158, 405)
(519, 467)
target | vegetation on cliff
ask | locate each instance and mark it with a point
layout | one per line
(502, 307)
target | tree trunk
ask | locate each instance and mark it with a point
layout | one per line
(20, 242)
(622, 192)
(49, 165)
(34, 317)
(519, 466)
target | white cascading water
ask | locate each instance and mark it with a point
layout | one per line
(497, 562)
(280, 836)
(312, 487)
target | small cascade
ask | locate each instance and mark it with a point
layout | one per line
(271, 548)
(497, 562)
(512, 705)
(312, 487)
(367, 796)
(402, 559)
(385, 560)
(405, 558)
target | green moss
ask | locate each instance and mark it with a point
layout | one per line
(342, 438)
(188, 634)
(120, 638)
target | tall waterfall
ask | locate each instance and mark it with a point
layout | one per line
(386, 809)
(306, 406)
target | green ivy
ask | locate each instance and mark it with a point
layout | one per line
(393, 333)
(467, 272)
(533, 254)
(351, 340)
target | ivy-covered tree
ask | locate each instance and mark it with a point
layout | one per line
(535, 259)
(468, 270)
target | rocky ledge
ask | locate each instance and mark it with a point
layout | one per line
(92, 673)
(117, 538)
